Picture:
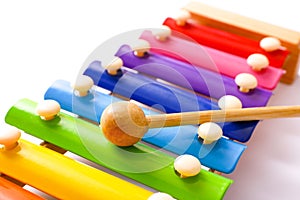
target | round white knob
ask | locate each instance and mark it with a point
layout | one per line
(229, 102)
(162, 33)
(161, 196)
(140, 48)
(187, 165)
(9, 137)
(113, 67)
(82, 85)
(258, 61)
(182, 17)
(246, 82)
(209, 132)
(48, 109)
(270, 44)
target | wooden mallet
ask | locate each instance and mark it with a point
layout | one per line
(124, 123)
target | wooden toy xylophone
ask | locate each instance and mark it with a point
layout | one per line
(192, 77)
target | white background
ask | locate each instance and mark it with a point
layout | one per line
(41, 41)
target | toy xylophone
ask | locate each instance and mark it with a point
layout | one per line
(168, 73)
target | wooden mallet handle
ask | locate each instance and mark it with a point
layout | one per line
(245, 114)
(124, 123)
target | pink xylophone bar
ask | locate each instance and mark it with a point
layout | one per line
(223, 63)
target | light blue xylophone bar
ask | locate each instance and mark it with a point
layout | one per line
(222, 155)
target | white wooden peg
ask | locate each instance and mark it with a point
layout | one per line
(258, 61)
(160, 196)
(270, 44)
(246, 82)
(9, 137)
(140, 48)
(48, 109)
(187, 165)
(82, 85)
(229, 102)
(162, 33)
(182, 17)
(113, 67)
(209, 132)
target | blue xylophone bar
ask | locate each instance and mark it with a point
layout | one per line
(170, 99)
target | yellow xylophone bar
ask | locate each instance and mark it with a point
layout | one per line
(63, 177)
(250, 28)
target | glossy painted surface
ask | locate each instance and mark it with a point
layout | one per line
(222, 156)
(211, 59)
(63, 177)
(227, 42)
(11, 191)
(200, 80)
(139, 162)
(164, 97)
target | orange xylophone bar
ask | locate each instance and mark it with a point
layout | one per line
(11, 191)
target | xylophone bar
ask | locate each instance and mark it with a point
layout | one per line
(211, 59)
(170, 99)
(63, 177)
(227, 42)
(11, 191)
(205, 82)
(223, 156)
(250, 28)
(139, 162)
